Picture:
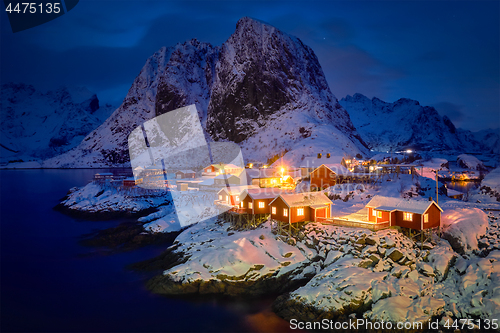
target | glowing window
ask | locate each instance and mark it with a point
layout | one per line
(426, 218)
(273, 210)
(408, 216)
(285, 212)
(237, 198)
(242, 204)
(250, 205)
(374, 212)
(220, 196)
(261, 204)
(300, 211)
(379, 214)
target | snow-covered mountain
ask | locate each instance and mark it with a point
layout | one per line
(406, 124)
(262, 89)
(39, 125)
(490, 139)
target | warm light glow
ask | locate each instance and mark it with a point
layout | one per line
(264, 166)
(409, 151)
(273, 210)
(261, 204)
(407, 216)
(282, 170)
(300, 211)
(251, 165)
(285, 212)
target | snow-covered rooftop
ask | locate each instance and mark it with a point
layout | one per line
(389, 204)
(305, 199)
(263, 193)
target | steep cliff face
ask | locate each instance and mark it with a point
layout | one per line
(262, 89)
(39, 125)
(405, 124)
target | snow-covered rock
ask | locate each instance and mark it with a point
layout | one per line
(405, 124)
(470, 162)
(39, 125)
(241, 262)
(463, 227)
(106, 200)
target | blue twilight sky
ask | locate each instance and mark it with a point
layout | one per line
(441, 53)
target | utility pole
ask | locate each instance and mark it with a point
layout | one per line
(437, 192)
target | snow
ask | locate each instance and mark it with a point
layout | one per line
(492, 180)
(248, 255)
(463, 227)
(107, 198)
(390, 204)
(405, 124)
(470, 162)
(305, 199)
(38, 125)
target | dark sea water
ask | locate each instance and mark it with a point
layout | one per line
(50, 283)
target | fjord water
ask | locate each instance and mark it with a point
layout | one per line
(50, 283)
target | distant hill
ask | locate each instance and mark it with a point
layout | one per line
(40, 125)
(407, 124)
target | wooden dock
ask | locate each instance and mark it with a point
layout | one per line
(356, 223)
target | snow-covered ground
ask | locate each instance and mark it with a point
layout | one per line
(95, 198)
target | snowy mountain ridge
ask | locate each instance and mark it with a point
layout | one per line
(406, 124)
(40, 125)
(262, 89)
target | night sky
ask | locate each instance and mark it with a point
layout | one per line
(444, 54)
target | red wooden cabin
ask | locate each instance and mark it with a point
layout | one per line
(326, 175)
(300, 207)
(412, 214)
(256, 201)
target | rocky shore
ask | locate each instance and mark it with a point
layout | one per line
(334, 272)
(103, 201)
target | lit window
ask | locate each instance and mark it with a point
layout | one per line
(379, 214)
(300, 211)
(285, 212)
(374, 212)
(242, 204)
(407, 216)
(250, 205)
(220, 197)
(237, 198)
(273, 210)
(261, 204)
(426, 218)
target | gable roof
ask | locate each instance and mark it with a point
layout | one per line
(336, 168)
(304, 199)
(225, 176)
(389, 204)
(185, 171)
(262, 193)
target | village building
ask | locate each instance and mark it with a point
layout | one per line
(256, 201)
(309, 164)
(327, 175)
(103, 176)
(411, 214)
(220, 168)
(224, 179)
(184, 174)
(300, 207)
(129, 182)
(231, 195)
